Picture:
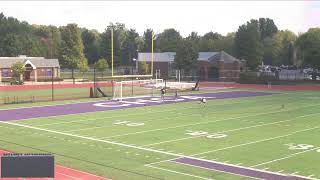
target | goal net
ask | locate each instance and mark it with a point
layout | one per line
(136, 88)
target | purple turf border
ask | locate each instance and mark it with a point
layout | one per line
(237, 170)
(87, 107)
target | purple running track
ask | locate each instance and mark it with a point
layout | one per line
(67, 109)
(243, 171)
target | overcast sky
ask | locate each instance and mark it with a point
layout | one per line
(185, 16)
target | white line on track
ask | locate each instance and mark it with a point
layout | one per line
(205, 122)
(71, 177)
(177, 172)
(232, 130)
(148, 149)
(286, 157)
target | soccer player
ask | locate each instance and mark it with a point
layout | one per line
(162, 93)
(176, 95)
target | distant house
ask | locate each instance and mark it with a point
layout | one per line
(211, 66)
(36, 67)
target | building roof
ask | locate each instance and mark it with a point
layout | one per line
(223, 56)
(7, 62)
(157, 57)
(203, 56)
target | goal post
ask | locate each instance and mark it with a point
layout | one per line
(135, 88)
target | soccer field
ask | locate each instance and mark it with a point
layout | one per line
(242, 135)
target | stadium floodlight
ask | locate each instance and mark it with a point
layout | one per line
(130, 76)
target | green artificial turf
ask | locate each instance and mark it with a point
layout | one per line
(256, 132)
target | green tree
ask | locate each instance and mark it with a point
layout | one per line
(282, 47)
(168, 40)
(119, 35)
(195, 39)
(71, 48)
(147, 41)
(212, 41)
(83, 68)
(224, 43)
(10, 45)
(101, 65)
(50, 38)
(91, 41)
(267, 27)
(129, 47)
(186, 56)
(18, 69)
(247, 44)
(309, 45)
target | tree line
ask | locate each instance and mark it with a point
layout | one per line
(257, 41)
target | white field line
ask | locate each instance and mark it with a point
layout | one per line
(286, 157)
(89, 128)
(232, 130)
(254, 142)
(158, 162)
(130, 114)
(177, 172)
(205, 122)
(142, 113)
(58, 104)
(109, 117)
(146, 149)
(250, 101)
(214, 170)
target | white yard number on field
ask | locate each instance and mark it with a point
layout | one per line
(204, 133)
(303, 147)
(300, 146)
(128, 123)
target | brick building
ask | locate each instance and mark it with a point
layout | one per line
(219, 66)
(212, 65)
(36, 68)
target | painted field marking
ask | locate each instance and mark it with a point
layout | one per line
(58, 104)
(152, 111)
(93, 119)
(205, 122)
(123, 115)
(286, 157)
(217, 170)
(146, 149)
(254, 142)
(232, 130)
(177, 172)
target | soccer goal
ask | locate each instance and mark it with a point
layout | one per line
(136, 88)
